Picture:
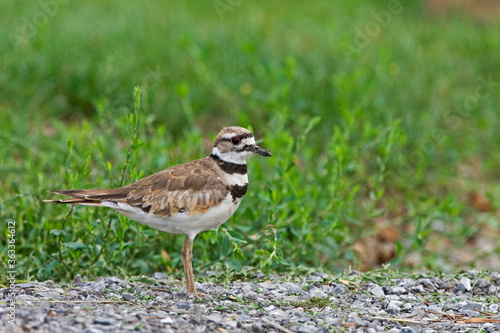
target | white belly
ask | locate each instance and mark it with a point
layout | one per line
(180, 223)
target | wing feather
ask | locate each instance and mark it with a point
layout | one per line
(192, 187)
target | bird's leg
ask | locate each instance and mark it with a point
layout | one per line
(187, 261)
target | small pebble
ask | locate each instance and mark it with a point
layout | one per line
(302, 305)
(376, 291)
(77, 281)
(465, 281)
(104, 321)
(128, 297)
(159, 275)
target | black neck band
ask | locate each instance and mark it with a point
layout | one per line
(229, 167)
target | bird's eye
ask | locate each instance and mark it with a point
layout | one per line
(235, 140)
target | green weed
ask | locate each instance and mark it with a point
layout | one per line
(393, 131)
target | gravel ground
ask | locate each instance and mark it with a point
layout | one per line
(317, 303)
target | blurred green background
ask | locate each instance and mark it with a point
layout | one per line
(382, 118)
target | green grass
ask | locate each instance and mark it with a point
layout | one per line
(362, 129)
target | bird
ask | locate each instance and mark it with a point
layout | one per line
(184, 199)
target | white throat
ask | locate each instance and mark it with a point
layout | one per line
(236, 157)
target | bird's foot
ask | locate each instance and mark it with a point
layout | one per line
(202, 296)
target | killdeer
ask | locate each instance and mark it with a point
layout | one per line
(185, 199)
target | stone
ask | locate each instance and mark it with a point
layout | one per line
(469, 313)
(104, 321)
(407, 307)
(435, 308)
(427, 283)
(334, 322)
(156, 308)
(376, 291)
(184, 305)
(320, 274)
(167, 320)
(317, 292)
(496, 277)
(473, 306)
(49, 283)
(49, 294)
(78, 281)
(114, 280)
(340, 289)
(483, 284)
(244, 319)
(159, 275)
(399, 290)
(314, 277)
(450, 285)
(394, 330)
(465, 281)
(494, 307)
(419, 289)
(278, 313)
(258, 327)
(92, 330)
(97, 286)
(216, 318)
(300, 319)
(25, 298)
(393, 307)
(269, 308)
(460, 288)
(231, 324)
(395, 290)
(115, 287)
(128, 297)
(304, 328)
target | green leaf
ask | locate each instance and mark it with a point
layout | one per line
(225, 245)
(74, 245)
(262, 253)
(15, 187)
(399, 248)
(182, 89)
(55, 232)
(213, 236)
(47, 271)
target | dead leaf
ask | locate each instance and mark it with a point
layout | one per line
(480, 202)
(165, 256)
(378, 249)
(346, 282)
(479, 9)
(474, 320)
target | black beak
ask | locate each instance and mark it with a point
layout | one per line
(260, 151)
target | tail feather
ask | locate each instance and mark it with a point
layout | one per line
(92, 197)
(74, 201)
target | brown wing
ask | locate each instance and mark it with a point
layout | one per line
(192, 188)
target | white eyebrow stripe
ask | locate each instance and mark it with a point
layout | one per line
(228, 135)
